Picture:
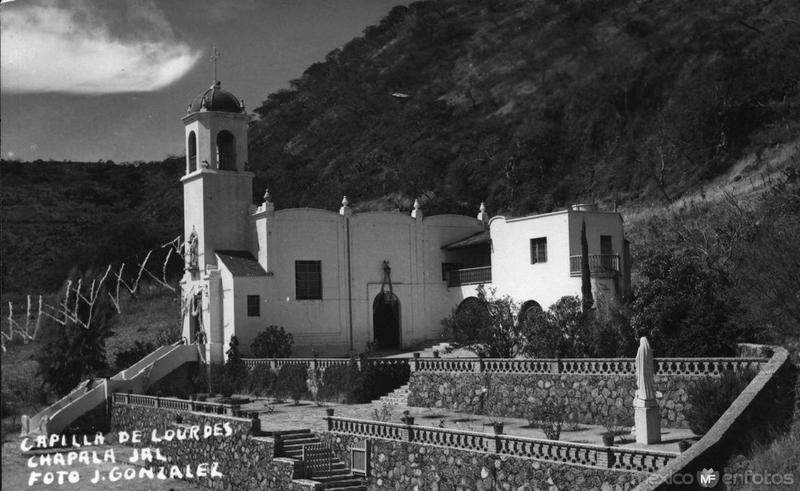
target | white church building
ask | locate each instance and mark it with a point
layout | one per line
(337, 280)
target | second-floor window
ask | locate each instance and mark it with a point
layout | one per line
(539, 250)
(308, 280)
(253, 305)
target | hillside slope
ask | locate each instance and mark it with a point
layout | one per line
(529, 105)
(60, 215)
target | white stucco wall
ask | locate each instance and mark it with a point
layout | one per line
(412, 247)
(512, 271)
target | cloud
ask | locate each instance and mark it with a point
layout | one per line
(88, 47)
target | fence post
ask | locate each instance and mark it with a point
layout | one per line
(408, 431)
(329, 417)
(158, 402)
(415, 362)
(555, 366)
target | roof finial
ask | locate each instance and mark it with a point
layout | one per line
(267, 205)
(345, 209)
(214, 57)
(417, 212)
(483, 217)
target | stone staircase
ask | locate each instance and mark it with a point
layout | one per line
(338, 478)
(398, 397)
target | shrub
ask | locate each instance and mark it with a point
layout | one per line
(314, 381)
(292, 382)
(684, 308)
(565, 330)
(75, 351)
(617, 424)
(200, 381)
(488, 327)
(218, 380)
(550, 416)
(342, 383)
(236, 373)
(383, 414)
(261, 380)
(709, 398)
(272, 342)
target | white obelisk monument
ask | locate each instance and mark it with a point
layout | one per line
(645, 407)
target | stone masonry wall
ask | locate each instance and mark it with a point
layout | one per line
(403, 465)
(588, 397)
(246, 462)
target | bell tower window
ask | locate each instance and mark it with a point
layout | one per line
(191, 151)
(226, 150)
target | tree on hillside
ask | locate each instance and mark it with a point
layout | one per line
(586, 274)
(684, 308)
(74, 351)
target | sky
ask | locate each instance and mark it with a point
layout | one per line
(89, 80)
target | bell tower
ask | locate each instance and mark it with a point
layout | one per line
(217, 190)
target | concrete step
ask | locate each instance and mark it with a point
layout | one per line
(341, 483)
(300, 441)
(361, 487)
(335, 476)
(288, 435)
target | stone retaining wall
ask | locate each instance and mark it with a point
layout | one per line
(763, 408)
(245, 461)
(588, 397)
(403, 465)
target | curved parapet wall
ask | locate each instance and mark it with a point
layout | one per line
(769, 393)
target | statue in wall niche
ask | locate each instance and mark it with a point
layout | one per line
(191, 251)
(645, 386)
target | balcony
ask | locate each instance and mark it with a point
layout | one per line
(599, 264)
(469, 276)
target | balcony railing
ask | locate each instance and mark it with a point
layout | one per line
(600, 264)
(469, 276)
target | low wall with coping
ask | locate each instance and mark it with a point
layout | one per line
(401, 464)
(591, 389)
(558, 452)
(766, 403)
(246, 461)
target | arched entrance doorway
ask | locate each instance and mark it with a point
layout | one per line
(386, 320)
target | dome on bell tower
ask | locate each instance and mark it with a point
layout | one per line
(216, 99)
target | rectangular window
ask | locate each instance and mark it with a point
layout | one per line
(253, 305)
(447, 267)
(308, 280)
(539, 250)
